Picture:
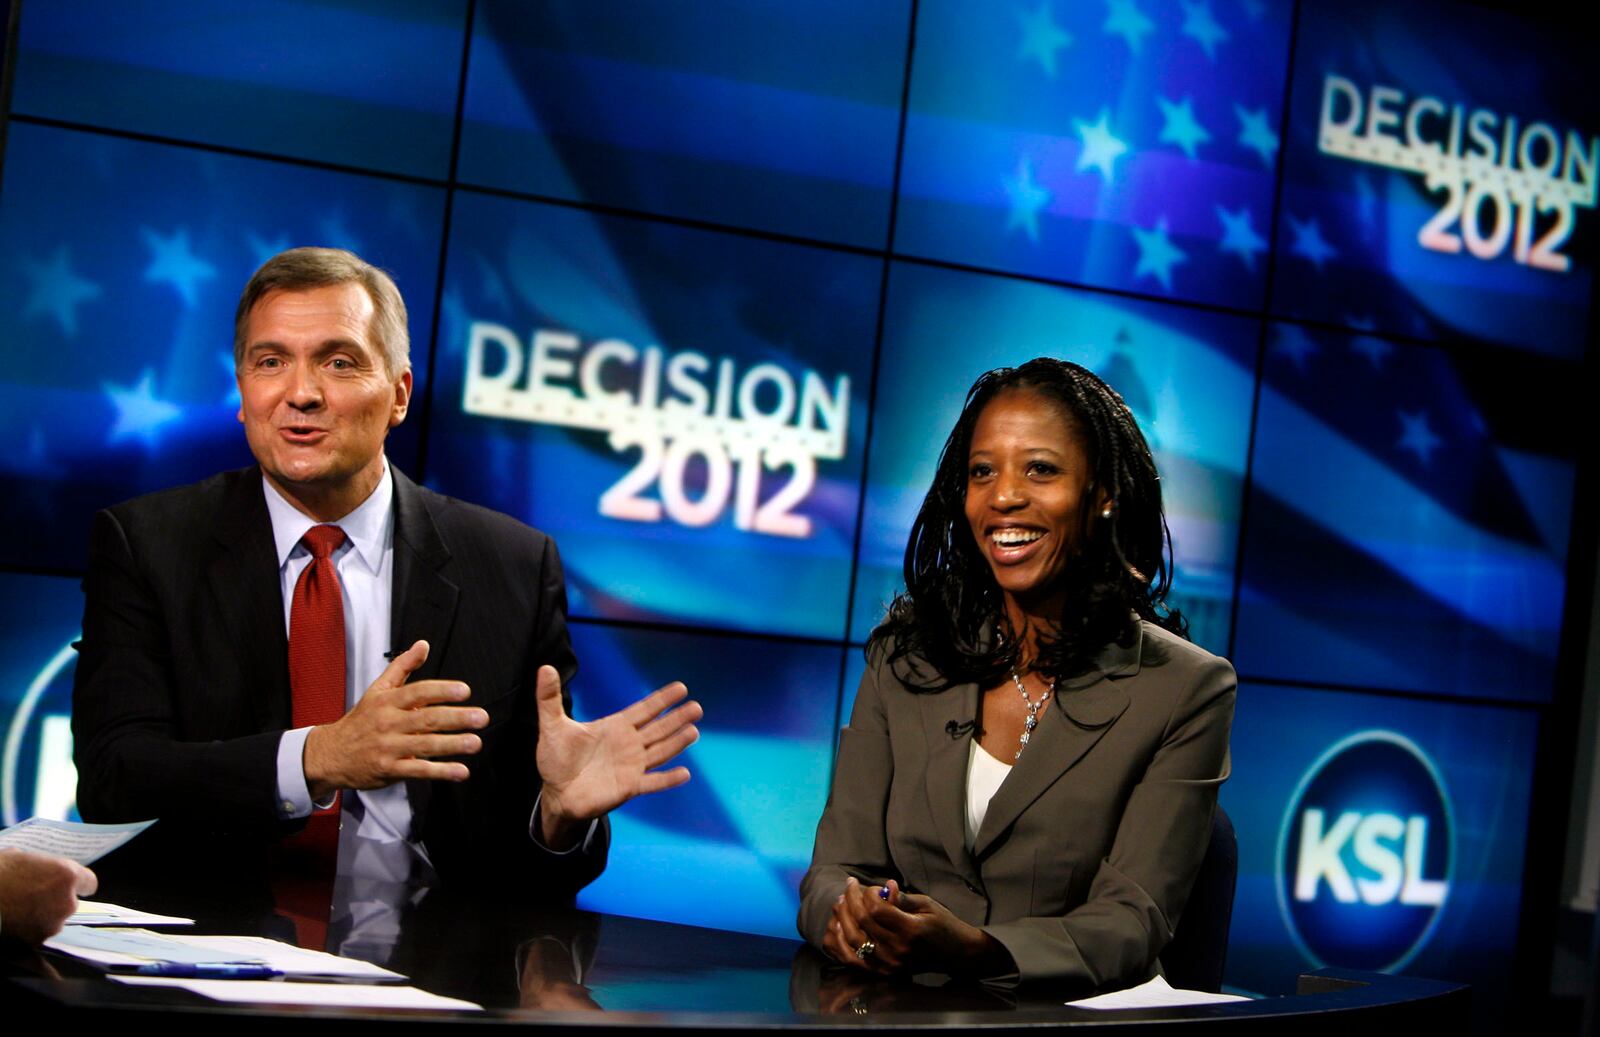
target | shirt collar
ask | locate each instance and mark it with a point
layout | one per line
(366, 529)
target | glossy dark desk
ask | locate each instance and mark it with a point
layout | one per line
(556, 967)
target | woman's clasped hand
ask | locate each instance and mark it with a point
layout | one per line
(885, 930)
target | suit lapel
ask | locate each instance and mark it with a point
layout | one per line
(1085, 707)
(946, 779)
(423, 602)
(244, 584)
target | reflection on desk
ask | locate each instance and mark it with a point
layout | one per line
(525, 960)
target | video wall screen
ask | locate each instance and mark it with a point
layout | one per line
(1440, 175)
(744, 822)
(126, 260)
(683, 410)
(943, 328)
(1119, 145)
(39, 619)
(772, 116)
(1377, 833)
(366, 83)
(699, 291)
(1410, 513)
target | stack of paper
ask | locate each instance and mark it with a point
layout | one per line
(193, 962)
(223, 968)
(92, 912)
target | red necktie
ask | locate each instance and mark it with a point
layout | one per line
(316, 683)
(316, 633)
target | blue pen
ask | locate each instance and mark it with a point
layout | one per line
(191, 970)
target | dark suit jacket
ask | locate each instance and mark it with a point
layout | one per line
(182, 685)
(1089, 848)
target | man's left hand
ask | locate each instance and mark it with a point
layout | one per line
(589, 769)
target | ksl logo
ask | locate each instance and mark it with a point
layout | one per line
(1365, 853)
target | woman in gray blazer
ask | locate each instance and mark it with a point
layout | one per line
(1024, 791)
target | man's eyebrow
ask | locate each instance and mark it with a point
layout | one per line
(327, 346)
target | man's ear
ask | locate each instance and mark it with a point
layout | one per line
(402, 398)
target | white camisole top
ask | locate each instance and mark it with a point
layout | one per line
(984, 775)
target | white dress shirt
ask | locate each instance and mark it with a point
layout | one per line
(380, 819)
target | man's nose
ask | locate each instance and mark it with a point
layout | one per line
(305, 387)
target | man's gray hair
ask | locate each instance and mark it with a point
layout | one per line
(301, 269)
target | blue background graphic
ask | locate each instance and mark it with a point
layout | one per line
(1484, 756)
(1370, 451)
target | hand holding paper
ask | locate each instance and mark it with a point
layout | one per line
(38, 892)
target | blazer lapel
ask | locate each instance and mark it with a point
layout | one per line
(1085, 707)
(422, 602)
(947, 724)
(243, 578)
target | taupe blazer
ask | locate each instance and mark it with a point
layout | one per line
(1089, 848)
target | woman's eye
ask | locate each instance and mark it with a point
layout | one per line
(978, 471)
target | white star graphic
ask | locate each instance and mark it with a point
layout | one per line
(172, 261)
(1041, 38)
(1416, 436)
(1157, 254)
(262, 249)
(1100, 149)
(1308, 242)
(139, 413)
(1027, 198)
(54, 290)
(1374, 349)
(1239, 236)
(1199, 25)
(1127, 21)
(1180, 126)
(1255, 134)
(1294, 343)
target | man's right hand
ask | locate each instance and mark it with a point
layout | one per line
(393, 733)
(38, 892)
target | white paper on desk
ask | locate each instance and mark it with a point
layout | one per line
(122, 948)
(294, 961)
(1155, 993)
(93, 912)
(127, 948)
(73, 840)
(342, 995)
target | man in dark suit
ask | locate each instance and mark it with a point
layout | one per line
(317, 639)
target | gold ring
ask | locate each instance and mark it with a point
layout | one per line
(865, 950)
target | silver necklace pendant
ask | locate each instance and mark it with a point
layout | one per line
(1033, 709)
